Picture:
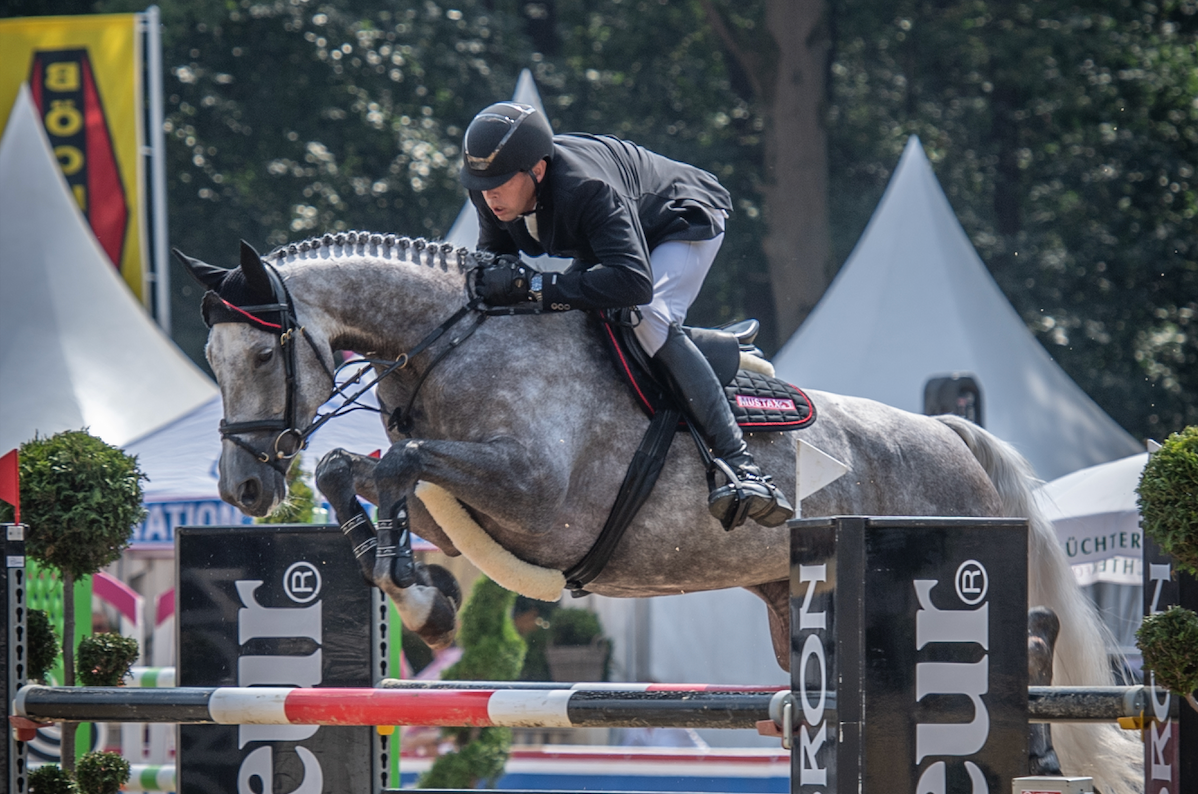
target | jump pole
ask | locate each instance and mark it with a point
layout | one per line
(553, 708)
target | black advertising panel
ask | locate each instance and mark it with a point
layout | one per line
(13, 754)
(274, 606)
(1170, 746)
(919, 627)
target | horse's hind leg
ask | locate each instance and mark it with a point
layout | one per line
(776, 596)
(429, 602)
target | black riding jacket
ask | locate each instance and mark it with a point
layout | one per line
(607, 203)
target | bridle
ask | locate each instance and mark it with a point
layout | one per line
(291, 439)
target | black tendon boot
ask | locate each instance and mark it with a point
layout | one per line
(748, 492)
(393, 557)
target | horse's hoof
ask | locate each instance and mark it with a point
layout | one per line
(441, 625)
(445, 581)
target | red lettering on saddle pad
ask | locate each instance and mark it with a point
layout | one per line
(764, 403)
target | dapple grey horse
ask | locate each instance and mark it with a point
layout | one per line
(518, 435)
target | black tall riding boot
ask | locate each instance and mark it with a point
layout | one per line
(748, 492)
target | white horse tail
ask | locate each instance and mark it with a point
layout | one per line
(1112, 757)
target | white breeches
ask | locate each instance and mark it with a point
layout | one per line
(679, 267)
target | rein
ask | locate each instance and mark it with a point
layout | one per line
(291, 439)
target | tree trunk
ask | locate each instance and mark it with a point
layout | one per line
(795, 190)
(67, 747)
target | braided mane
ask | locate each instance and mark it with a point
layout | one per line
(384, 246)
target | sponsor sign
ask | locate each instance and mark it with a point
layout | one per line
(273, 606)
(1170, 746)
(919, 627)
(157, 529)
(85, 76)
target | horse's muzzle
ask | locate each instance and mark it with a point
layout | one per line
(255, 492)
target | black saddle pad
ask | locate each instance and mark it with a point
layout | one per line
(760, 403)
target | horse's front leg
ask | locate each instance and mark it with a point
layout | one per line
(341, 476)
(428, 600)
(498, 478)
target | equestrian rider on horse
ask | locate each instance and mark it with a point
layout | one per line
(642, 230)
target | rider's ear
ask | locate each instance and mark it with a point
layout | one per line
(208, 275)
(256, 277)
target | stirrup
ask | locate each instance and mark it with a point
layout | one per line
(748, 495)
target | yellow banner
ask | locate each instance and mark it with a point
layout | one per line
(85, 76)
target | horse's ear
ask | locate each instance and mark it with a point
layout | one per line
(208, 275)
(256, 277)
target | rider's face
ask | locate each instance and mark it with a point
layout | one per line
(516, 196)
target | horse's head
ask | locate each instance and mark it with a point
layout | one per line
(271, 382)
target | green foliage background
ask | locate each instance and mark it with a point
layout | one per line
(1063, 132)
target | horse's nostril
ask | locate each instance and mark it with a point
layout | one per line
(248, 493)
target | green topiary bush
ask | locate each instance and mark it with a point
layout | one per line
(491, 650)
(51, 779)
(1168, 498)
(573, 626)
(105, 659)
(102, 773)
(1169, 642)
(81, 499)
(42, 643)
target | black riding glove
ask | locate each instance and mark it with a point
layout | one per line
(506, 281)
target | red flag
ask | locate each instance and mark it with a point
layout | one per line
(10, 484)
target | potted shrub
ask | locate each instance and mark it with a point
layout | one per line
(80, 498)
(102, 773)
(43, 644)
(577, 649)
(1169, 642)
(105, 659)
(1168, 502)
(1168, 498)
(51, 779)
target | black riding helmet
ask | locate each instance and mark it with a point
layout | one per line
(503, 140)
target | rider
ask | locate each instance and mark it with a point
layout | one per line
(642, 230)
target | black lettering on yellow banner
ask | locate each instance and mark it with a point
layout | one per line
(72, 111)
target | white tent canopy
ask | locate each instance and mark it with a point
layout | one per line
(914, 301)
(76, 348)
(1097, 518)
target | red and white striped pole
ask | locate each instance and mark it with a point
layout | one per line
(434, 707)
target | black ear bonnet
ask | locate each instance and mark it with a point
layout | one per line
(251, 293)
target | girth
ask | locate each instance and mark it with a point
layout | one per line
(722, 349)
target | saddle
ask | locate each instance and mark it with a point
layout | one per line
(759, 402)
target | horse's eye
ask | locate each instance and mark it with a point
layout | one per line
(265, 354)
